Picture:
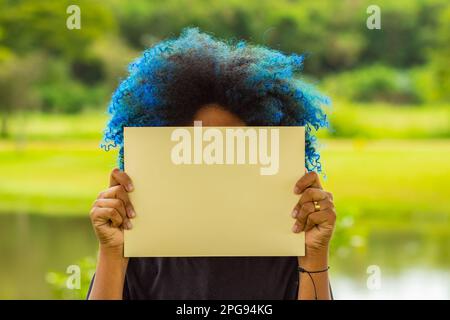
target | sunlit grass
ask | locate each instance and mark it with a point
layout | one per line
(381, 121)
(376, 177)
(348, 120)
(56, 127)
(52, 177)
(384, 180)
(52, 164)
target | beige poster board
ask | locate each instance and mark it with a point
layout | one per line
(210, 209)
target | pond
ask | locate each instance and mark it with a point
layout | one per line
(386, 265)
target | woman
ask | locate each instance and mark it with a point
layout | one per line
(196, 77)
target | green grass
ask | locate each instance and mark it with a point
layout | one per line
(55, 166)
(57, 127)
(52, 177)
(390, 180)
(381, 121)
(367, 176)
(348, 120)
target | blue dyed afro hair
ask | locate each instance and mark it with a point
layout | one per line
(174, 78)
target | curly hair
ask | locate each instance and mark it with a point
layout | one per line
(175, 77)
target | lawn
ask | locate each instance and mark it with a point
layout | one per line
(381, 121)
(54, 166)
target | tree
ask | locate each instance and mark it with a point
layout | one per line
(32, 25)
(16, 87)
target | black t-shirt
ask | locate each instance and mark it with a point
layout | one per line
(212, 278)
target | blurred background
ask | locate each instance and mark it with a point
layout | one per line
(386, 155)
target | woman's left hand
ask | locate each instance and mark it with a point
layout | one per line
(315, 214)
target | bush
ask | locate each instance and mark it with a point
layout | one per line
(59, 92)
(71, 97)
(373, 84)
(384, 121)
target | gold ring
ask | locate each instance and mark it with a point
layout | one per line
(316, 206)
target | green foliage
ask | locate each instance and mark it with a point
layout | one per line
(70, 97)
(16, 86)
(41, 25)
(334, 32)
(67, 77)
(440, 70)
(382, 121)
(114, 56)
(16, 78)
(374, 83)
(59, 91)
(404, 62)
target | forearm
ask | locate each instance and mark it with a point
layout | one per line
(109, 276)
(321, 280)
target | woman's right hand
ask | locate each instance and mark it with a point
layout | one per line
(112, 211)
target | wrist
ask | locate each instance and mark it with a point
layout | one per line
(314, 260)
(112, 255)
(110, 274)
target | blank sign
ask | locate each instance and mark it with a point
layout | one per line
(210, 207)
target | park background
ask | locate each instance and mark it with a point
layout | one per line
(386, 155)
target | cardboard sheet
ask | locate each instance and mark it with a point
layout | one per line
(201, 202)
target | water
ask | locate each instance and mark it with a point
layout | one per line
(413, 264)
(32, 245)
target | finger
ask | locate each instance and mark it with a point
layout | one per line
(310, 179)
(302, 215)
(118, 205)
(118, 192)
(308, 208)
(119, 177)
(322, 217)
(312, 194)
(314, 219)
(101, 216)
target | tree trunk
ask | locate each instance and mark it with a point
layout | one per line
(4, 126)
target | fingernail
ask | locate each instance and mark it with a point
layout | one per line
(294, 213)
(132, 213)
(129, 225)
(295, 228)
(130, 187)
(296, 190)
